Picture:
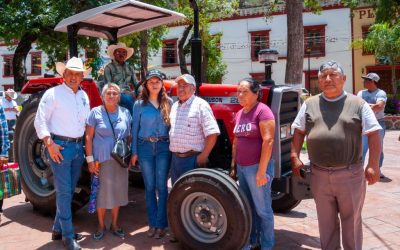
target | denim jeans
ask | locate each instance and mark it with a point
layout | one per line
(154, 160)
(260, 201)
(179, 166)
(127, 102)
(365, 142)
(66, 176)
(11, 124)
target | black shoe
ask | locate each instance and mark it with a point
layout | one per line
(58, 236)
(71, 244)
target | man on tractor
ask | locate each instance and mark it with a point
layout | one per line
(121, 73)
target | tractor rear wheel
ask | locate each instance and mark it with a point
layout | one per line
(37, 177)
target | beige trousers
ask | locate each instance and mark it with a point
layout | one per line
(339, 192)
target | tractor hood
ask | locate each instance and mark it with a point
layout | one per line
(123, 18)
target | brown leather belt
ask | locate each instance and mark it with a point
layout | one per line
(67, 139)
(330, 169)
(186, 154)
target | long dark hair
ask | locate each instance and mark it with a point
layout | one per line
(254, 87)
(162, 98)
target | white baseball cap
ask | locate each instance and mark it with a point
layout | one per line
(189, 79)
(371, 76)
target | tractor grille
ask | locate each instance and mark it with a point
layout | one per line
(288, 111)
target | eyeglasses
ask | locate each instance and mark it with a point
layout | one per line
(112, 94)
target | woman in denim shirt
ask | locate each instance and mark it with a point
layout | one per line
(150, 145)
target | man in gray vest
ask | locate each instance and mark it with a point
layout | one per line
(334, 122)
(376, 98)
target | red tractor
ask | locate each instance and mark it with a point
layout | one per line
(205, 207)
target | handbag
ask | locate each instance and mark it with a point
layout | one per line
(121, 152)
(10, 179)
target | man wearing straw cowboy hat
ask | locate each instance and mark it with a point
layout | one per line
(121, 73)
(60, 123)
(10, 107)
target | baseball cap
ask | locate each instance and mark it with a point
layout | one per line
(371, 76)
(189, 79)
(154, 73)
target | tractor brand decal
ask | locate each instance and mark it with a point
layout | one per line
(221, 100)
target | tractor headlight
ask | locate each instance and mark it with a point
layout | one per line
(285, 131)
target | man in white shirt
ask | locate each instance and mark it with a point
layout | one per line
(60, 123)
(10, 108)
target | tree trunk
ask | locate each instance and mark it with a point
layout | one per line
(144, 41)
(20, 54)
(295, 46)
(204, 65)
(394, 85)
(181, 50)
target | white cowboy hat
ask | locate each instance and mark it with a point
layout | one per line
(74, 64)
(11, 93)
(113, 47)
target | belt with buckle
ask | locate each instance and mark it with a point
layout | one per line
(67, 139)
(331, 169)
(186, 154)
(155, 139)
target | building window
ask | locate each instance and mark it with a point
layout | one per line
(36, 63)
(8, 67)
(365, 31)
(314, 40)
(259, 41)
(311, 81)
(170, 52)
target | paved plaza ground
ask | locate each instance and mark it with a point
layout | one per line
(23, 228)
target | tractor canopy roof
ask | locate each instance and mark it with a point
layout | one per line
(119, 19)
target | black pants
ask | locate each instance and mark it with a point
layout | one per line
(1, 205)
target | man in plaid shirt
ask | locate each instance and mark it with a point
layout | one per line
(5, 145)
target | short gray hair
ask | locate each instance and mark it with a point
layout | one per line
(110, 85)
(330, 65)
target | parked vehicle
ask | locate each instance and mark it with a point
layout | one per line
(205, 207)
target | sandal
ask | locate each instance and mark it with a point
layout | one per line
(119, 232)
(98, 235)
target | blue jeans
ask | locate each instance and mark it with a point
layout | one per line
(179, 166)
(365, 142)
(260, 201)
(66, 176)
(11, 124)
(154, 160)
(127, 102)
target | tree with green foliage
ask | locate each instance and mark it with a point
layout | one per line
(384, 41)
(213, 69)
(384, 37)
(33, 21)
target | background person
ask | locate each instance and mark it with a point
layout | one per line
(10, 107)
(60, 124)
(150, 143)
(113, 179)
(376, 98)
(334, 123)
(4, 146)
(251, 151)
(194, 130)
(121, 73)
